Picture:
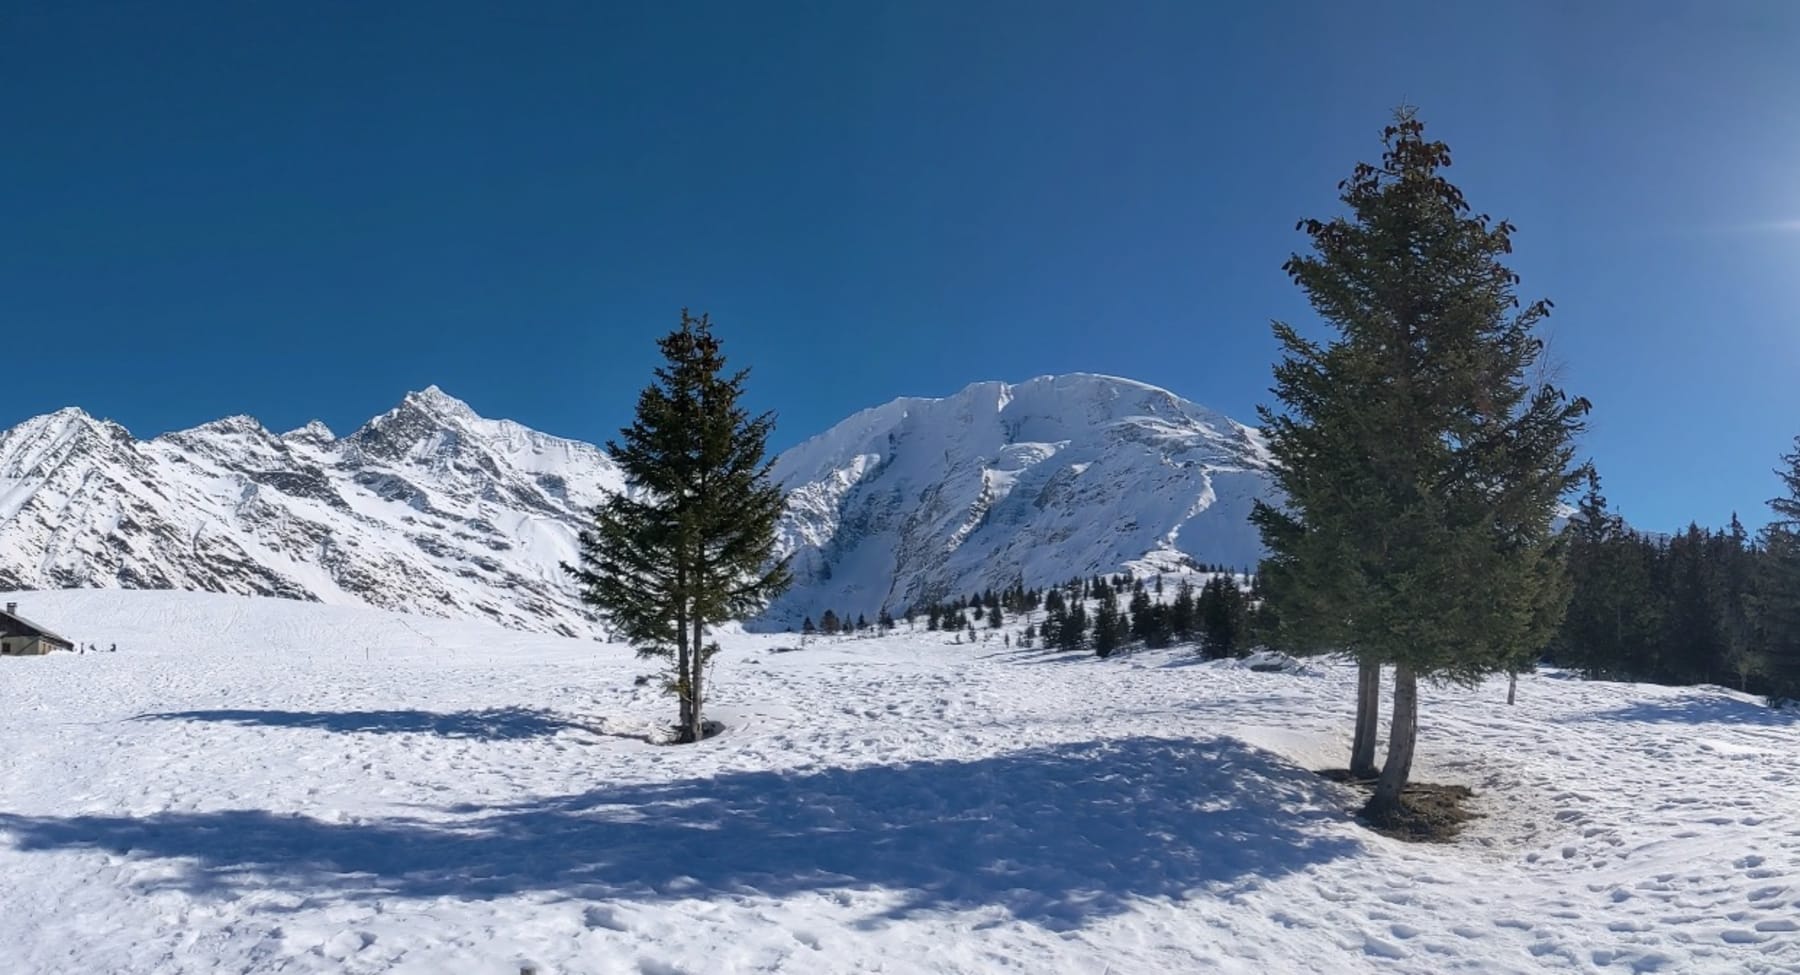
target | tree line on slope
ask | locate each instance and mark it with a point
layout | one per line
(1699, 607)
(1220, 616)
(831, 624)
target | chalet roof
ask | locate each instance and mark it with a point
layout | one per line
(34, 629)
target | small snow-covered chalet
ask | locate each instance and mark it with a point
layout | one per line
(20, 637)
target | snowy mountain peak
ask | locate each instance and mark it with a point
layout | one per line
(66, 422)
(43, 443)
(424, 423)
(921, 499)
(435, 400)
(1043, 409)
(314, 432)
(66, 415)
(239, 425)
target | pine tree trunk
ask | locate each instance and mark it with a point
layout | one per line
(684, 686)
(697, 721)
(1368, 718)
(1402, 736)
(683, 682)
(1512, 688)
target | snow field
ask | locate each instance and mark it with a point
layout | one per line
(266, 786)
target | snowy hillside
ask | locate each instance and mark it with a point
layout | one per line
(1059, 476)
(427, 508)
(255, 785)
(433, 510)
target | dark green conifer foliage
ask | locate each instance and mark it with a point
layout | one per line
(1421, 459)
(1733, 580)
(1776, 602)
(1594, 632)
(1676, 610)
(1143, 622)
(1072, 634)
(1221, 610)
(1182, 617)
(692, 543)
(1109, 626)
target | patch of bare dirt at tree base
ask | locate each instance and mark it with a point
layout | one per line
(1429, 813)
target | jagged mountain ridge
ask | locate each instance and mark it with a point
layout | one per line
(428, 508)
(432, 509)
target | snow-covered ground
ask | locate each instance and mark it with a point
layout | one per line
(264, 786)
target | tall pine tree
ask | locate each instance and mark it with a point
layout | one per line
(691, 542)
(1420, 462)
(1733, 579)
(1591, 627)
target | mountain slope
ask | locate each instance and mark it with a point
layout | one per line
(1058, 476)
(427, 508)
(434, 510)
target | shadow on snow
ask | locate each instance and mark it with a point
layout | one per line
(1054, 835)
(1700, 709)
(494, 724)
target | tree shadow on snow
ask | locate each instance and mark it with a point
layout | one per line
(1700, 709)
(1055, 835)
(493, 724)
(1061, 657)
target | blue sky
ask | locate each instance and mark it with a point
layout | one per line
(300, 210)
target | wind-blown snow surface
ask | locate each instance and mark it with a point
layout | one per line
(922, 499)
(272, 786)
